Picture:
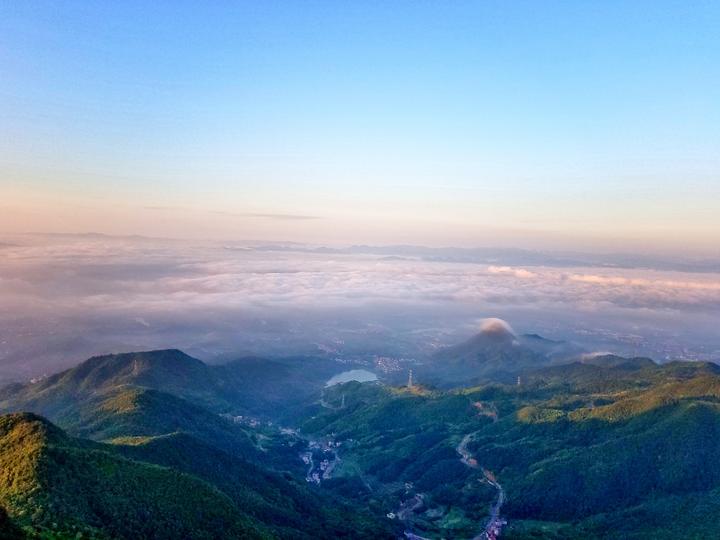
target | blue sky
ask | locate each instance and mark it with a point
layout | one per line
(548, 124)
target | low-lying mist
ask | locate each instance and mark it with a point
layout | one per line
(66, 297)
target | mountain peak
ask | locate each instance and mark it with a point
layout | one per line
(26, 428)
(135, 366)
(154, 357)
(495, 353)
(497, 329)
(170, 371)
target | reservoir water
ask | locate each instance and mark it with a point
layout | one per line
(360, 375)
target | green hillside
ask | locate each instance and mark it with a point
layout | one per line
(162, 392)
(285, 504)
(139, 412)
(258, 386)
(578, 449)
(169, 371)
(488, 356)
(612, 438)
(103, 400)
(56, 486)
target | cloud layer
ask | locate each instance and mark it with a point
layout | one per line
(65, 297)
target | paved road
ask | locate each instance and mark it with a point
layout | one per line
(493, 528)
(465, 456)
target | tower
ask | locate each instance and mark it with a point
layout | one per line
(410, 379)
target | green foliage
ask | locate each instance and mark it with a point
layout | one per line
(55, 485)
(286, 506)
(575, 452)
(607, 447)
(249, 385)
(140, 412)
(163, 408)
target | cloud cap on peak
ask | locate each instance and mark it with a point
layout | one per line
(493, 326)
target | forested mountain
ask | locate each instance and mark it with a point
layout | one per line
(60, 487)
(581, 456)
(597, 447)
(495, 354)
(167, 409)
(248, 384)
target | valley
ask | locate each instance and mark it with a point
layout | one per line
(385, 270)
(561, 449)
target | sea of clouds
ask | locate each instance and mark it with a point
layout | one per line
(66, 297)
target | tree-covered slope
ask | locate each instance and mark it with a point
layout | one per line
(139, 412)
(577, 448)
(607, 441)
(259, 386)
(160, 392)
(288, 506)
(170, 371)
(55, 485)
(102, 399)
(495, 354)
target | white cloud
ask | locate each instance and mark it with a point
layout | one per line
(509, 270)
(493, 325)
(79, 295)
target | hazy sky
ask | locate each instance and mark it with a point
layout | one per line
(548, 124)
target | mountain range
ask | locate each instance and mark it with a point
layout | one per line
(166, 413)
(558, 443)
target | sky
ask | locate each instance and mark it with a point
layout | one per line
(547, 125)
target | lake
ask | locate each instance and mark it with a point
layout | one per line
(360, 375)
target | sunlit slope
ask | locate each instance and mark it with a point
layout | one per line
(103, 399)
(606, 442)
(50, 482)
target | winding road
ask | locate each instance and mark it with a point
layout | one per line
(494, 525)
(465, 456)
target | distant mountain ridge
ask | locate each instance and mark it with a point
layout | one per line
(246, 384)
(496, 353)
(507, 256)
